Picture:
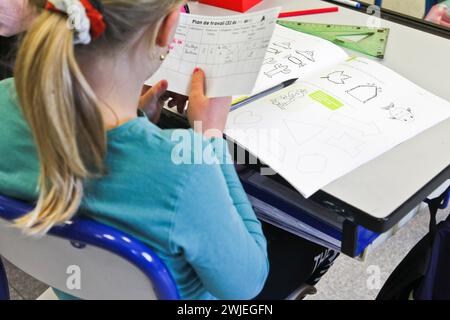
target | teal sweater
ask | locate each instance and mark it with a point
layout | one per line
(196, 217)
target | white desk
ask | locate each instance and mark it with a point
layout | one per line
(386, 183)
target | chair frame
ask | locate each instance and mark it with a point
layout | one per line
(82, 232)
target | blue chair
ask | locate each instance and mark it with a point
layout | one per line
(428, 5)
(108, 263)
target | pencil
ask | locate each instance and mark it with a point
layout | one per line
(307, 12)
(264, 93)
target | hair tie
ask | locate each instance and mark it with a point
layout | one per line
(84, 17)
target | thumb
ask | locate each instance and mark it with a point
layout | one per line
(198, 83)
(152, 95)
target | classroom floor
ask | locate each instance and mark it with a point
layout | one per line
(348, 278)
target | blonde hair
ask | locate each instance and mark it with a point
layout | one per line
(61, 107)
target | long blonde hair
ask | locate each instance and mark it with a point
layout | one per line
(61, 107)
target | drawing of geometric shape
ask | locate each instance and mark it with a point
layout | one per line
(307, 54)
(247, 118)
(303, 132)
(364, 128)
(269, 61)
(285, 45)
(295, 60)
(286, 99)
(337, 77)
(403, 114)
(278, 68)
(312, 163)
(273, 51)
(364, 93)
(347, 144)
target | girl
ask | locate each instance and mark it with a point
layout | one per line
(79, 139)
(79, 144)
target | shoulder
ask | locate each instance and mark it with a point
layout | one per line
(168, 157)
(8, 91)
(178, 147)
(10, 113)
(6, 83)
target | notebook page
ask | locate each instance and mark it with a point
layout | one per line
(327, 125)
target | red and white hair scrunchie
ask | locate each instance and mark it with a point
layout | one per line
(84, 18)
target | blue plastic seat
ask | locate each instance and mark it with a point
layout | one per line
(84, 258)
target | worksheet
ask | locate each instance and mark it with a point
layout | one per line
(330, 123)
(292, 54)
(229, 49)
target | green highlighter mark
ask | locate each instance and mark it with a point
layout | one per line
(326, 100)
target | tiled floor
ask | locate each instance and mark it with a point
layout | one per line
(22, 286)
(347, 279)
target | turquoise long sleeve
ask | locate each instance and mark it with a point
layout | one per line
(196, 217)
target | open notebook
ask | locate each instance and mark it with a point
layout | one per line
(341, 113)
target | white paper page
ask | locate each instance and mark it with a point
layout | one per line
(320, 129)
(229, 49)
(275, 216)
(294, 54)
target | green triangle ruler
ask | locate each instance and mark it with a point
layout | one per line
(372, 41)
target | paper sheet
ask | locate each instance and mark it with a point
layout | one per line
(327, 125)
(285, 221)
(229, 49)
(292, 54)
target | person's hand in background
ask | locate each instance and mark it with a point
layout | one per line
(15, 16)
(210, 113)
(440, 14)
(153, 99)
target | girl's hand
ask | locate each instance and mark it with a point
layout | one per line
(153, 99)
(15, 16)
(206, 116)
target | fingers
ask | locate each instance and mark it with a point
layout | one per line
(223, 101)
(160, 89)
(198, 83)
(152, 95)
(145, 89)
(157, 113)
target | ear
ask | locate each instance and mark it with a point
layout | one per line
(167, 27)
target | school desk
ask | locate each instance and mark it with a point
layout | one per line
(379, 195)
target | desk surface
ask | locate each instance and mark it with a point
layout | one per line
(379, 188)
